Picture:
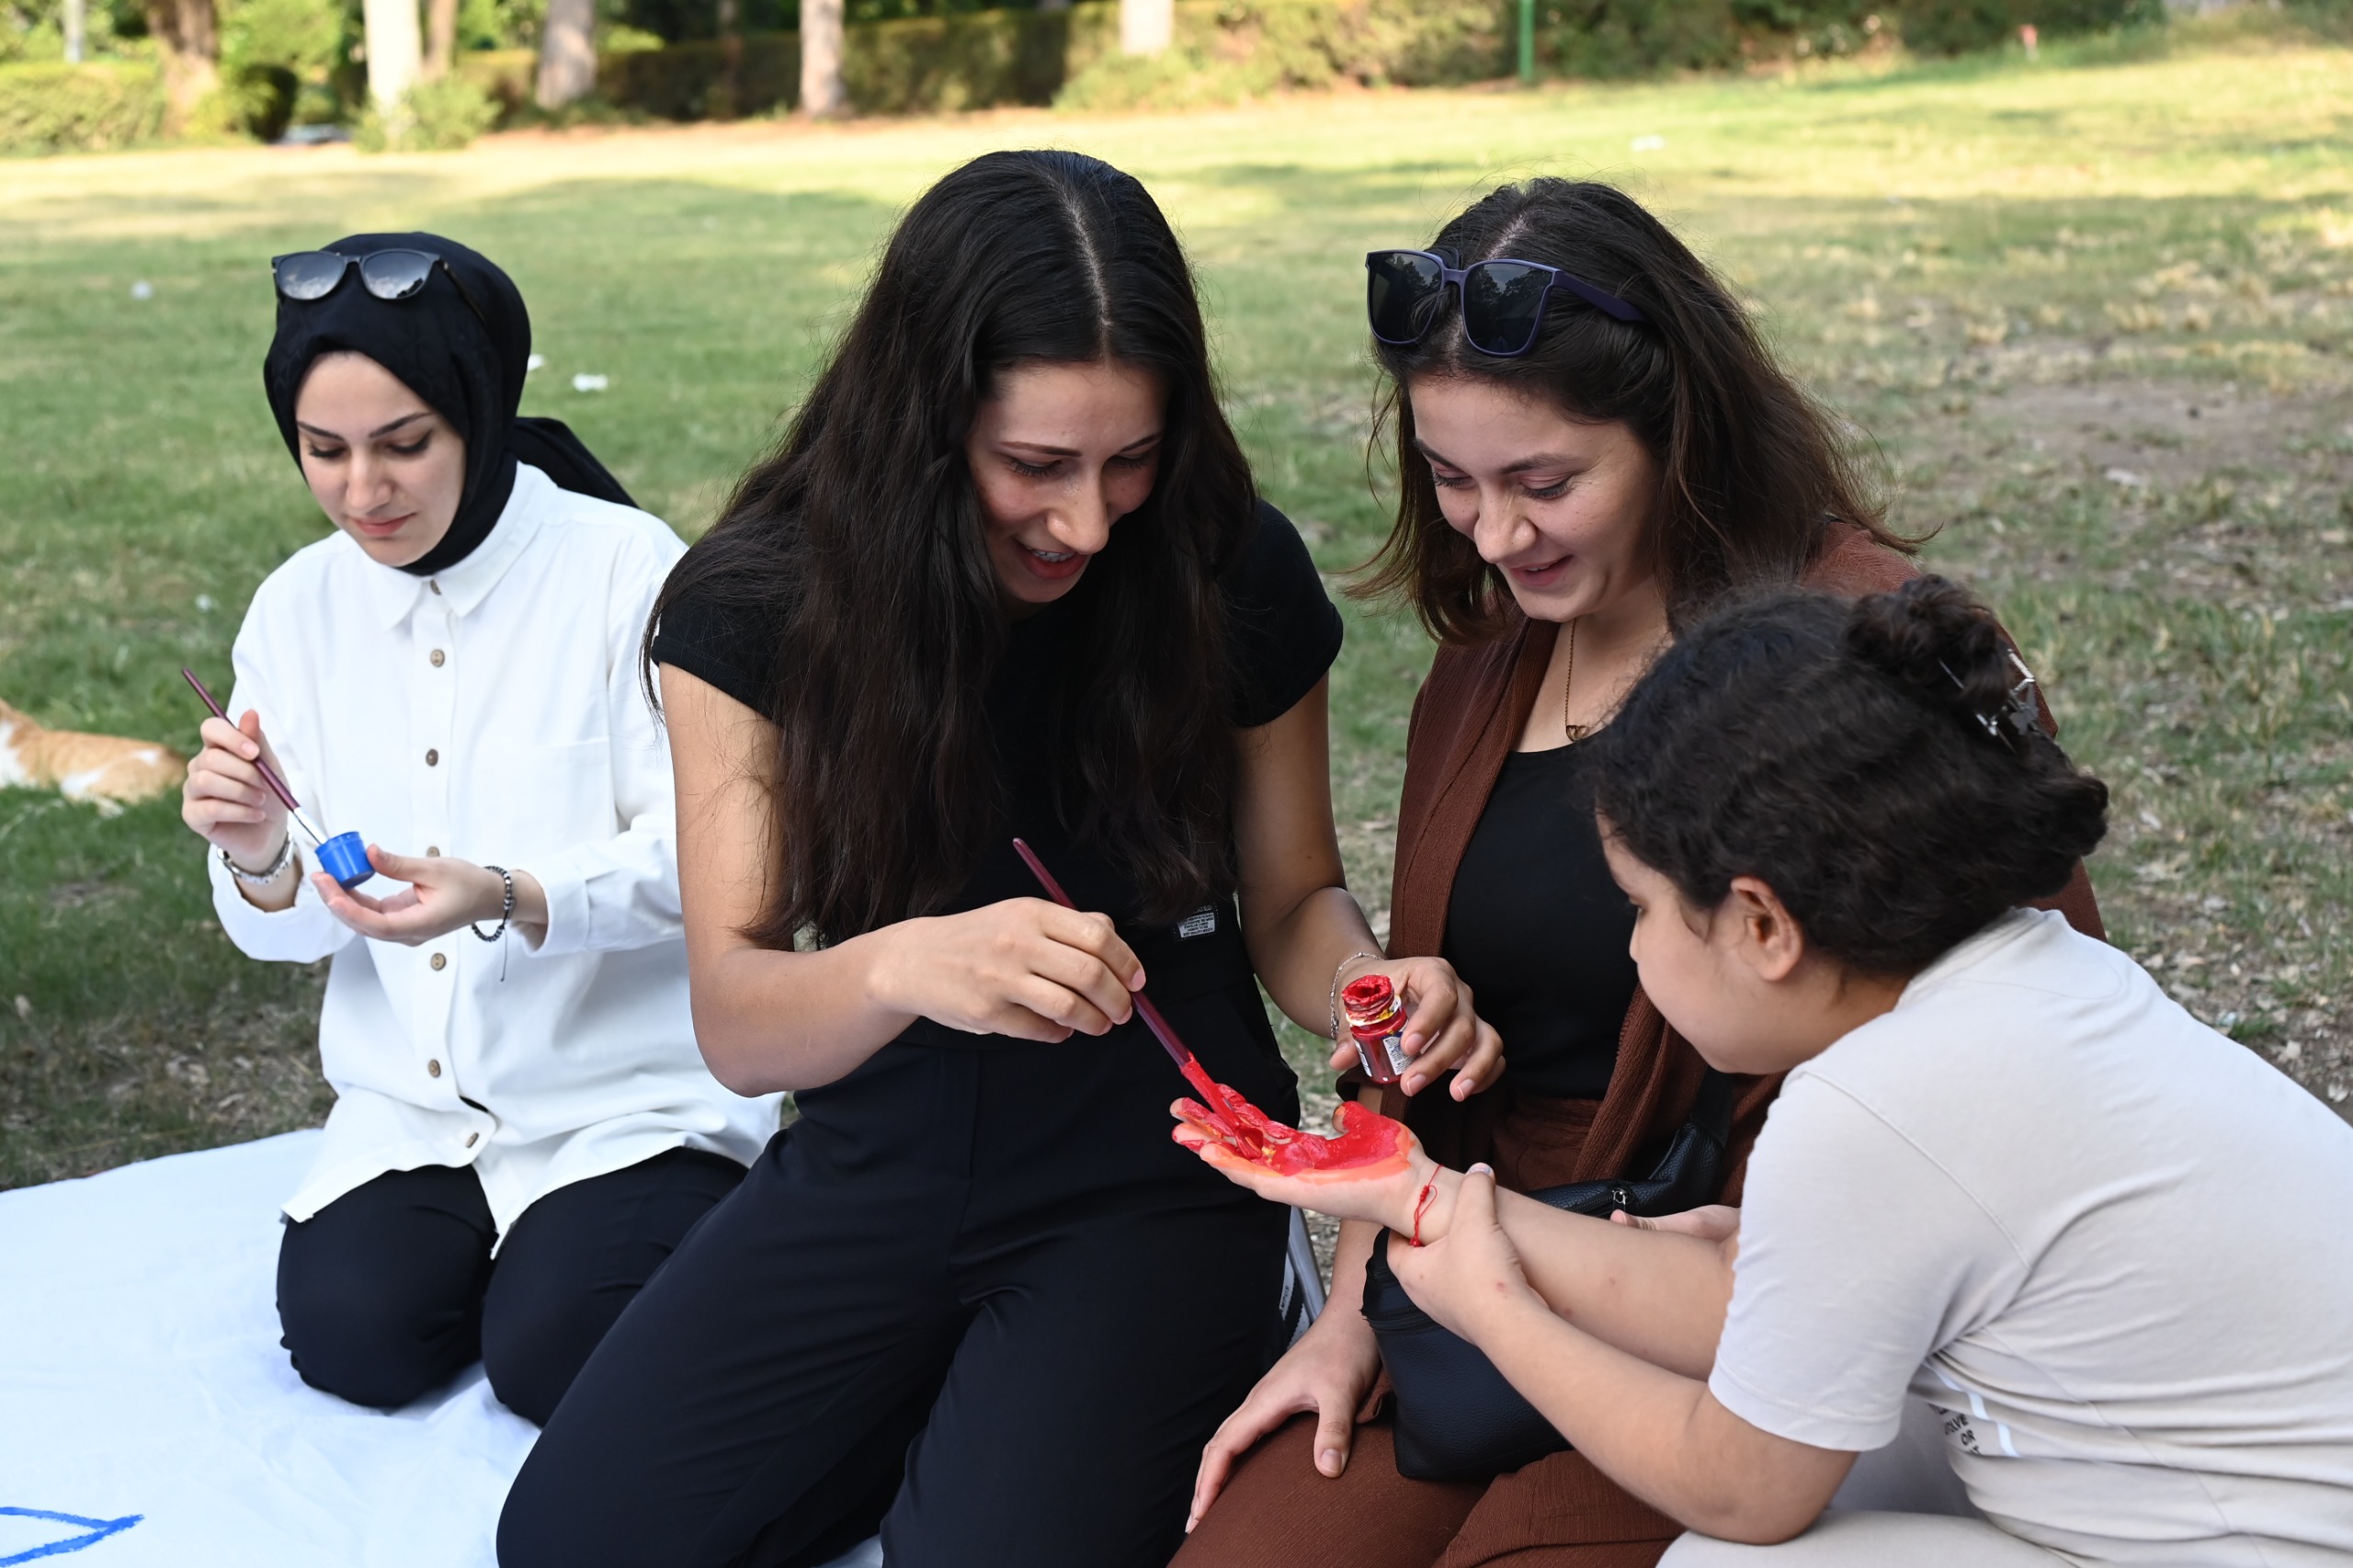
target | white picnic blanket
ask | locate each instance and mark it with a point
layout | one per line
(148, 1418)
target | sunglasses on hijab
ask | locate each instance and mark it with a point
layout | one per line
(398, 274)
(1502, 299)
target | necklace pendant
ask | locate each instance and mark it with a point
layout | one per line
(1577, 732)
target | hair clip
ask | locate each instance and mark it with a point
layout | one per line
(2019, 712)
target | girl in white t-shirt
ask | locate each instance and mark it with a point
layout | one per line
(2008, 1183)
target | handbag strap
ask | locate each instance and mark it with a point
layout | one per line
(1712, 1109)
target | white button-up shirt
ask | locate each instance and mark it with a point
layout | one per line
(491, 712)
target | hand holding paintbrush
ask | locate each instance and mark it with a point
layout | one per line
(238, 800)
(1221, 1100)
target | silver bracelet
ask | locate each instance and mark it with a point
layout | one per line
(505, 908)
(1333, 1002)
(262, 879)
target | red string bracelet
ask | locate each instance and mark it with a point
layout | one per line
(1421, 1204)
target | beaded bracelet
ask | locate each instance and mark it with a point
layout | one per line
(505, 908)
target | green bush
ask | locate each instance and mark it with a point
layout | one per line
(690, 81)
(1959, 26)
(1225, 49)
(261, 99)
(433, 117)
(57, 107)
(971, 60)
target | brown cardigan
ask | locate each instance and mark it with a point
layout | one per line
(1466, 720)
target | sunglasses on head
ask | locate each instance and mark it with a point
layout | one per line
(1502, 299)
(389, 274)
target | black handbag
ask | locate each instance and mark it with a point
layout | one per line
(1456, 1418)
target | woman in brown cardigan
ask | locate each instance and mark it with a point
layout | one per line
(1593, 445)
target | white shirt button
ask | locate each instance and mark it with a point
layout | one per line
(440, 962)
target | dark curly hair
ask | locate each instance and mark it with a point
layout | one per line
(1752, 478)
(1864, 758)
(858, 549)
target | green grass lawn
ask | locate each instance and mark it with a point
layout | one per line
(2094, 314)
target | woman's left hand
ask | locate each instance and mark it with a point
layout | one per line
(1443, 1031)
(1470, 1276)
(444, 893)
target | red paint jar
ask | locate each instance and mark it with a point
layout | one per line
(1376, 1022)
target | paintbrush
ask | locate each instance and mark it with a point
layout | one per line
(1215, 1093)
(269, 773)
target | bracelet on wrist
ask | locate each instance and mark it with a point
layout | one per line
(285, 857)
(505, 907)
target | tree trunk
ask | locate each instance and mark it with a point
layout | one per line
(823, 95)
(188, 39)
(1146, 26)
(727, 102)
(441, 38)
(393, 48)
(75, 13)
(567, 53)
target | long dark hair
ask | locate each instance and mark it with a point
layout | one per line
(858, 549)
(1751, 476)
(1872, 761)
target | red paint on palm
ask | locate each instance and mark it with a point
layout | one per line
(1238, 1122)
(1367, 1143)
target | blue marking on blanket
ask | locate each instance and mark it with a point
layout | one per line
(98, 1530)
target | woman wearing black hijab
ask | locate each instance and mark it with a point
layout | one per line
(523, 1128)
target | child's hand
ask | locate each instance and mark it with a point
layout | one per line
(1469, 1277)
(1710, 1222)
(1374, 1170)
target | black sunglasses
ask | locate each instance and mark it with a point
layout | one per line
(389, 274)
(1502, 299)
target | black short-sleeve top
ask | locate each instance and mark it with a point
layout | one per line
(1285, 634)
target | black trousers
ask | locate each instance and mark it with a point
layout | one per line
(390, 1290)
(974, 1298)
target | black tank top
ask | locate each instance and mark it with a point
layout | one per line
(1538, 927)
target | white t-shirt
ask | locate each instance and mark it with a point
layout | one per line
(2114, 1247)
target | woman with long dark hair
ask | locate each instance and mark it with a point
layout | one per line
(1594, 446)
(1008, 574)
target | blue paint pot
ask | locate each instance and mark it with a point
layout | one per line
(345, 858)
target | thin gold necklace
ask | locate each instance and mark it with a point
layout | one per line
(1577, 732)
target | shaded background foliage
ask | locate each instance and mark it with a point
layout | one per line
(301, 62)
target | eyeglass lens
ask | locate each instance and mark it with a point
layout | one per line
(395, 274)
(1402, 292)
(1502, 302)
(310, 275)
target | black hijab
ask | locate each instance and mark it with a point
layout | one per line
(469, 368)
